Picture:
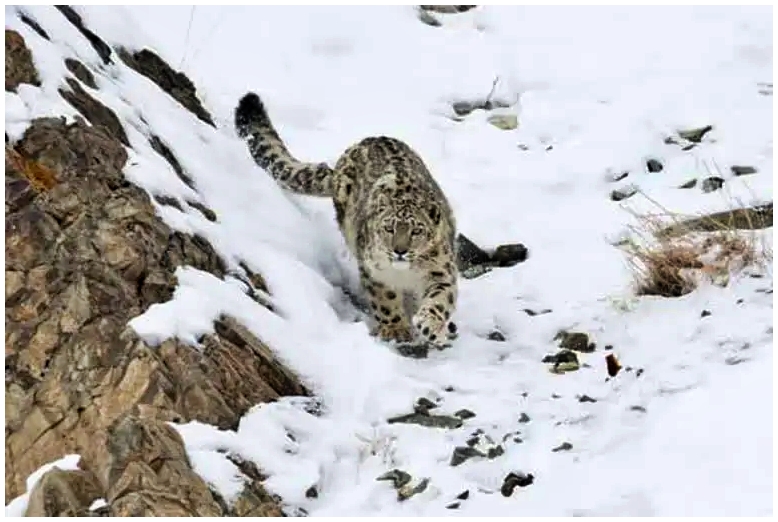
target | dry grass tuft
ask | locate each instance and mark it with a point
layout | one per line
(40, 176)
(698, 249)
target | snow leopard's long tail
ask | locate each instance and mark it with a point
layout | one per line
(269, 152)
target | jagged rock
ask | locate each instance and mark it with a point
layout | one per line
(428, 421)
(149, 473)
(624, 192)
(509, 255)
(253, 500)
(103, 50)
(464, 414)
(448, 9)
(94, 111)
(85, 253)
(712, 184)
(32, 24)
(563, 361)
(654, 165)
(577, 341)
(19, 66)
(463, 108)
(504, 121)
(426, 18)
(513, 479)
(469, 254)
(742, 170)
(209, 214)
(464, 453)
(175, 83)
(619, 176)
(695, 135)
(612, 365)
(81, 72)
(163, 150)
(63, 493)
(496, 335)
(473, 261)
(532, 313)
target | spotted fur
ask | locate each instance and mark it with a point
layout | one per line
(393, 215)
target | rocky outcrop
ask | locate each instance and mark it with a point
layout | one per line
(19, 67)
(85, 253)
(175, 83)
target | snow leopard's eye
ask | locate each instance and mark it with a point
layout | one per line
(417, 231)
(389, 228)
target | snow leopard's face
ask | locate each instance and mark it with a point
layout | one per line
(404, 229)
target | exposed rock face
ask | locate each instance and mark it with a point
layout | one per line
(18, 62)
(85, 253)
(94, 111)
(175, 83)
(63, 494)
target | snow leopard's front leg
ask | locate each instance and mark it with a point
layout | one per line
(438, 302)
(389, 320)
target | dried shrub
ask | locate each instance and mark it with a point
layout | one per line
(699, 249)
(40, 176)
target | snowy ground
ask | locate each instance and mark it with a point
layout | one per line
(596, 91)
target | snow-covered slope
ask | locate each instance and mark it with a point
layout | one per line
(684, 429)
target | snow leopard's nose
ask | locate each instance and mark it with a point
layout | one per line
(399, 253)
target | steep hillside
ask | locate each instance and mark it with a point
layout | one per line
(174, 317)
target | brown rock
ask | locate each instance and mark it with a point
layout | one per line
(175, 83)
(19, 66)
(62, 493)
(94, 111)
(81, 72)
(149, 472)
(85, 255)
(102, 49)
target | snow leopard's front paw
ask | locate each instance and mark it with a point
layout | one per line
(433, 329)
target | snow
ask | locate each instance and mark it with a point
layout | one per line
(602, 87)
(17, 506)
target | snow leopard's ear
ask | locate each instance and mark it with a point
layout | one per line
(434, 213)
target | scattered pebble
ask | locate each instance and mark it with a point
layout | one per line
(424, 405)
(565, 446)
(428, 421)
(462, 453)
(464, 495)
(524, 418)
(464, 414)
(504, 121)
(533, 313)
(695, 135)
(742, 170)
(613, 365)
(689, 184)
(496, 336)
(453, 505)
(620, 176)
(623, 193)
(311, 492)
(509, 254)
(654, 165)
(577, 341)
(512, 480)
(705, 313)
(712, 184)
(398, 477)
(641, 409)
(586, 398)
